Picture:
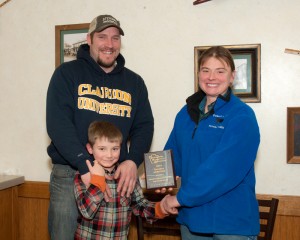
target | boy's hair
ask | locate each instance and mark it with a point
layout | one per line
(98, 130)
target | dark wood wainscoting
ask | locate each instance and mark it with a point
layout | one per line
(30, 203)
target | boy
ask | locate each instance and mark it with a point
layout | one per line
(100, 219)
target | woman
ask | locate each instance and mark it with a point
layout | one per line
(215, 140)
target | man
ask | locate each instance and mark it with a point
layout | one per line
(96, 86)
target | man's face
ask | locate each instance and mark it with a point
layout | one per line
(105, 47)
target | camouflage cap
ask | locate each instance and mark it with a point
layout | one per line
(102, 22)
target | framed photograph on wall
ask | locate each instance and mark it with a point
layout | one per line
(68, 38)
(293, 135)
(247, 63)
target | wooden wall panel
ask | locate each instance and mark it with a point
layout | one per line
(33, 219)
(287, 227)
(33, 202)
(6, 217)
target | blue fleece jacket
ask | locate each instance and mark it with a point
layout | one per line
(79, 93)
(215, 159)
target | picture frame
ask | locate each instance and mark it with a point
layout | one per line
(68, 38)
(293, 135)
(247, 58)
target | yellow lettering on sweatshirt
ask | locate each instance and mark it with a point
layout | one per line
(104, 108)
(104, 92)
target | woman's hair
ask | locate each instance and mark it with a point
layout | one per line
(99, 129)
(218, 52)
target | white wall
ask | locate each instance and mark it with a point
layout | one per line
(158, 44)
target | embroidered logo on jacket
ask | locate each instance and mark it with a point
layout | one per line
(218, 121)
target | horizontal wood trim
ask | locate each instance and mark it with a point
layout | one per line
(32, 189)
(33, 198)
(287, 206)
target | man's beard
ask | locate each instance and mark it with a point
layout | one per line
(105, 65)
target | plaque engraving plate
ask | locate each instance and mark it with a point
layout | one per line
(159, 170)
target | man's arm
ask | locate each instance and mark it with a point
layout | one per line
(59, 118)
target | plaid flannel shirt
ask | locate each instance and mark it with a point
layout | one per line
(103, 220)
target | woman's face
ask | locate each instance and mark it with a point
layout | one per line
(215, 77)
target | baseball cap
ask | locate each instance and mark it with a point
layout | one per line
(102, 22)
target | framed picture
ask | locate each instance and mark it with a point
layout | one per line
(68, 38)
(246, 57)
(293, 135)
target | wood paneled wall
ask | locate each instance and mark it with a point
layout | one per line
(287, 223)
(33, 203)
(32, 209)
(8, 216)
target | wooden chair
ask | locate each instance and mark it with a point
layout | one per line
(267, 215)
(167, 226)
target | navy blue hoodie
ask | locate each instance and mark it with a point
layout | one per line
(79, 93)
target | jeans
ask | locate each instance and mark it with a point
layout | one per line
(63, 212)
(187, 235)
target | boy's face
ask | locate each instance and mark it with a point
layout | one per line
(106, 153)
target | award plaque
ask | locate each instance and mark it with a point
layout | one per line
(159, 170)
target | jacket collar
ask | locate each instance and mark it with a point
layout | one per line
(194, 100)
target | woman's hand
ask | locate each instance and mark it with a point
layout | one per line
(169, 204)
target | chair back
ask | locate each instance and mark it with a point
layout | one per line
(267, 215)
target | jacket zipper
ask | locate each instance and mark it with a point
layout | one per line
(194, 131)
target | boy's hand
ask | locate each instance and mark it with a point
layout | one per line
(97, 169)
(86, 178)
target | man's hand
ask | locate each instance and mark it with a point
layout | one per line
(127, 174)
